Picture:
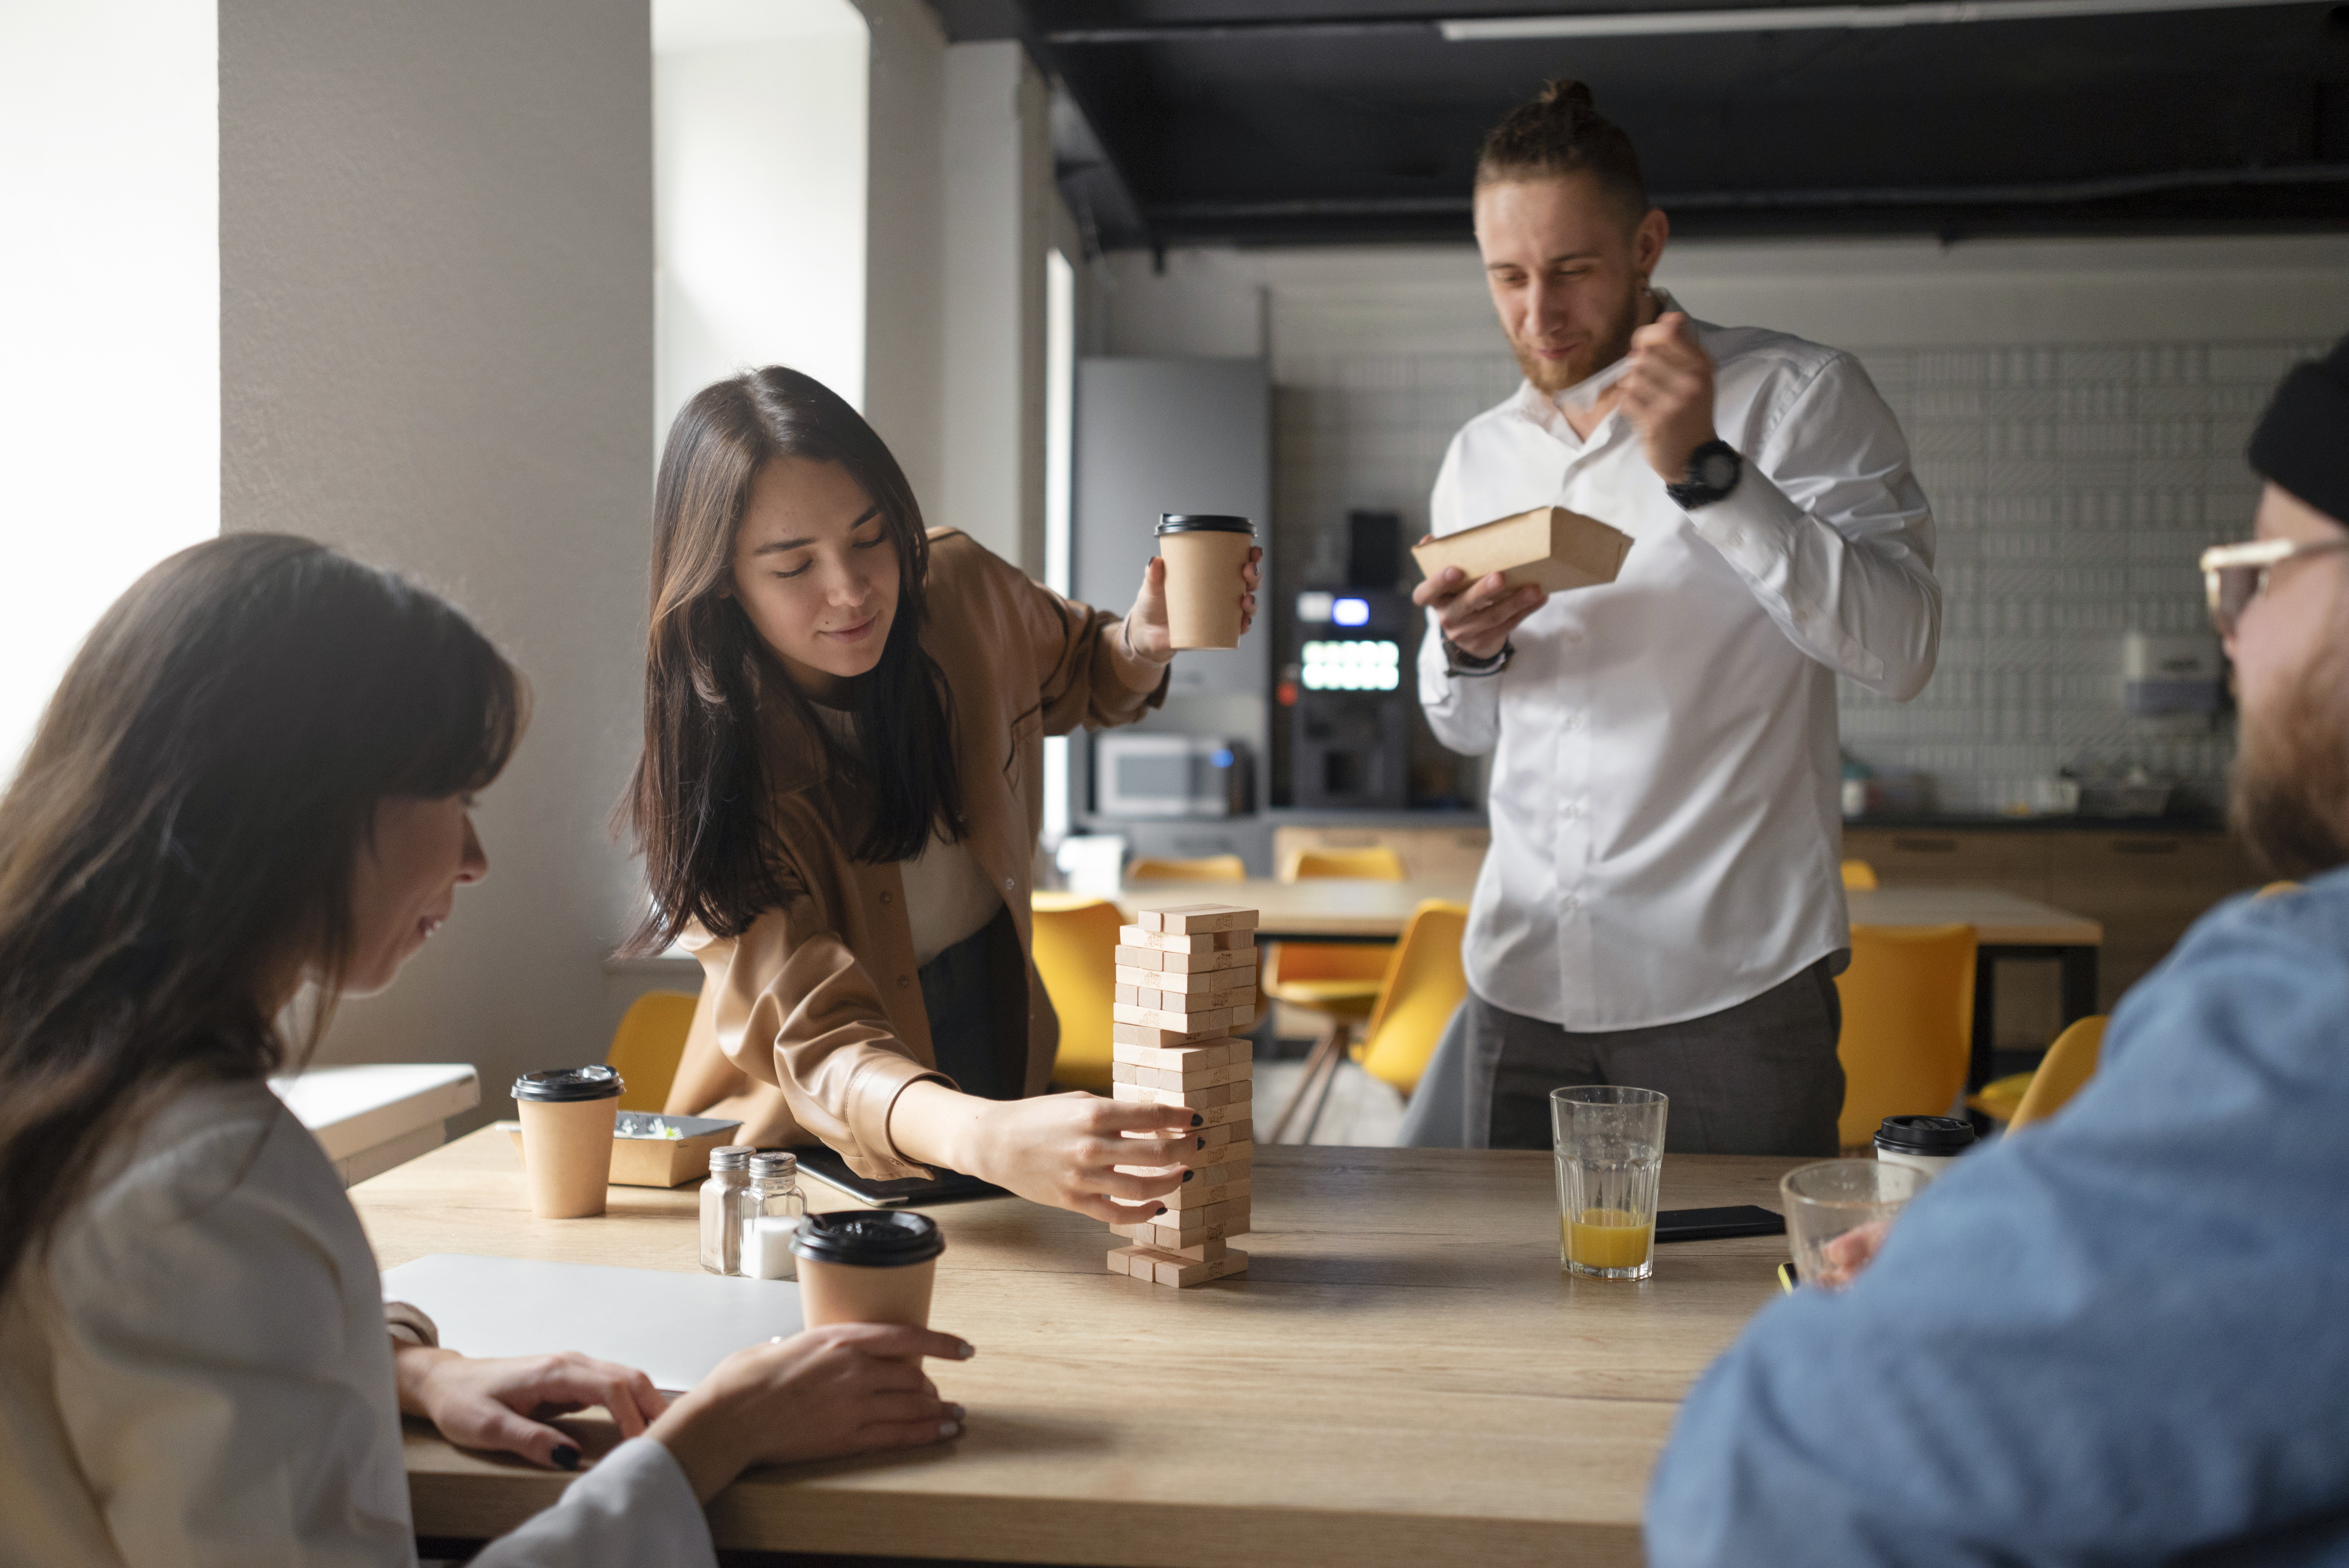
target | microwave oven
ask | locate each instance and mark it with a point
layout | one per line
(1171, 776)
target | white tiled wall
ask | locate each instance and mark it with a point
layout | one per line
(2074, 486)
(2077, 413)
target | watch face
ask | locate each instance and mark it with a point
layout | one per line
(1717, 470)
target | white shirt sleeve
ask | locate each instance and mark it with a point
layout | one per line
(1465, 711)
(634, 1509)
(1831, 532)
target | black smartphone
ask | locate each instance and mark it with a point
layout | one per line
(1713, 1224)
(825, 1165)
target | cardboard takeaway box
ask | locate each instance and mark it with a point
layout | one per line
(642, 1158)
(1548, 545)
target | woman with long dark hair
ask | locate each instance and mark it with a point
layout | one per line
(839, 799)
(256, 776)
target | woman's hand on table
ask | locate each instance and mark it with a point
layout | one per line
(487, 1403)
(1063, 1149)
(1145, 625)
(1843, 1257)
(844, 1388)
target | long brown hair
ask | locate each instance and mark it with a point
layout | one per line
(697, 802)
(183, 829)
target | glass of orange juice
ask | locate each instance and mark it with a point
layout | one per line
(1610, 1150)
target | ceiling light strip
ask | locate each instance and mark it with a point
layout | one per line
(1808, 18)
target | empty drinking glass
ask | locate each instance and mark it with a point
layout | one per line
(1835, 1198)
(1610, 1150)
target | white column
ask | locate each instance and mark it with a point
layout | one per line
(110, 318)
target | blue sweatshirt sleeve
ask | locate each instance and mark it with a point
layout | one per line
(2117, 1338)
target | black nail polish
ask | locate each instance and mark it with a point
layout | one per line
(1188, 1174)
(1199, 1121)
(1160, 1210)
(566, 1457)
(1203, 1143)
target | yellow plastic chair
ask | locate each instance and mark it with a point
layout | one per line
(1340, 981)
(1859, 876)
(1425, 987)
(2070, 1062)
(1206, 868)
(1076, 953)
(1373, 863)
(1908, 1024)
(647, 1045)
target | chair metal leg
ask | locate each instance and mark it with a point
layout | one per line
(1344, 1033)
(1326, 1051)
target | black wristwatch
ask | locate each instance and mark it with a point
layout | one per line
(1713, 470)
(1459, 661)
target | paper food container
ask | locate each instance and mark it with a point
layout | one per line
(642, 1157)
(1549, 545)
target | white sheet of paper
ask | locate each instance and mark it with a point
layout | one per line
(673, 1327)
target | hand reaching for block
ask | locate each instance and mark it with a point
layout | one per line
(1058, 1148)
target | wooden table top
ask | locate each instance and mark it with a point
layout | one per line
(1322, 906)
(1403, 1376)
(1999, 919)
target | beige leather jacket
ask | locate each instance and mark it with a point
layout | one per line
(820, 998)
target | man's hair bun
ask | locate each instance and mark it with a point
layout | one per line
(1560, 132)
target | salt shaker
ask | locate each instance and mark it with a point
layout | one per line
(721, 1217)
(771, 1207)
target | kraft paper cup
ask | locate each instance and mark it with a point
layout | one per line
(1204, 555)
(567, 1118)
(861, 1266)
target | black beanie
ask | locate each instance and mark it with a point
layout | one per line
(2302, 442)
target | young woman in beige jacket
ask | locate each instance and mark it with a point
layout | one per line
(839, 799)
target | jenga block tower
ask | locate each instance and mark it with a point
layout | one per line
(1185, 978)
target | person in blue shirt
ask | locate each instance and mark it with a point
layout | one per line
(2122, 1336)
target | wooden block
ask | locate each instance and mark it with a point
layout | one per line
(1215, 1053)
(1204, 1252)
(1238, 1131)
(1195, 1152)
(1159, 960)
(1128, 996)
(1195, 919)
(1188, 1003)
(1122, 1072)
(1194, 1195)
(1237, 978)
(1193, 944)
(1182, 1273)
(1191, 1227)
(1198, 1100)
(1193, 1078)
(1198, 1025)
(1125, 1033)
(1220, 1115)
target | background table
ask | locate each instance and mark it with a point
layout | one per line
(1401, 1376)
(2006, 926)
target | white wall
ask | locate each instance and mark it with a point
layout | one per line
(759, 135)
(436, 345)
(110, 318)
(905, 313)
(996, 160)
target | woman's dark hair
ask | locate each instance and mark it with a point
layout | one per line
(698, 803)
(1562, 132)
(179, 840)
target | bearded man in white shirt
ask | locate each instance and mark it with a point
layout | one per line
(1663, 902)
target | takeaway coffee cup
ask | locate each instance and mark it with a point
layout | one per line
(867, 1266)
(1203, 554)
(1926, 1143)
(567, 1116)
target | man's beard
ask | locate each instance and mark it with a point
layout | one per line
(2290, 798)
(1551, 375)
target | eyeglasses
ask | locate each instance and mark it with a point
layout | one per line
(2235, 574)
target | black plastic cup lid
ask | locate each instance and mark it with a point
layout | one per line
(1927, 1135)
(569, 1083)
(888, 1240)
(1202, 522)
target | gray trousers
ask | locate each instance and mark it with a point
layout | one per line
(1760, 1077)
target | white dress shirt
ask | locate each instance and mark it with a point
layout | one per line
(1664, 797)
(202, 1376)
